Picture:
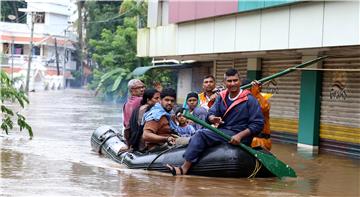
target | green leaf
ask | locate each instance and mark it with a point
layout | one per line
(117, 83)
(8, 93)
(111, 73)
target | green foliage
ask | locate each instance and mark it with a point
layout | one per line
(101, 11)
(114, 51)
(167, 78)
(9, 94)
(76, 74)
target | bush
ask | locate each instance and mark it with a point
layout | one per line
(9, 94)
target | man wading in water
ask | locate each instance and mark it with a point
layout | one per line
(237, 113)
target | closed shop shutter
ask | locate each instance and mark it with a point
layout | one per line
(199, 71)
(222, 65)
(340, 100)
(284, 111)
(220, 68)
(241, 66)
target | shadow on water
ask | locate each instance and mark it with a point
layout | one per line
(59, 160)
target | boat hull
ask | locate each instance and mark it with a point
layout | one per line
(223, 160)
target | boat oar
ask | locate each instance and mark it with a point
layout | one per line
(286, 71)
(275, 166)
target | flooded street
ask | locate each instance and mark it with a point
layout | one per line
(58, 161)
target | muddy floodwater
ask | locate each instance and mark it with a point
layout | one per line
(58, 161)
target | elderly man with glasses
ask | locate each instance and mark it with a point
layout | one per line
(136, 89)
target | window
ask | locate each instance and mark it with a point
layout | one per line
(36, 50)
(73, 56)
(40, 17)
(19, 49)
(6, 48)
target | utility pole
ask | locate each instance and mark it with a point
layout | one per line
(65, 57)
(12, 60)
(57, 58)
(30, 53)
(12, 18)
(79, 29)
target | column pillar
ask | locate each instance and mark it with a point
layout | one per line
(309, 113)
(253, 68)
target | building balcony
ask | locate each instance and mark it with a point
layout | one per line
(157, 41)
(37, 60)
(21, 60)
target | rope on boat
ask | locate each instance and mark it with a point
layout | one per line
(161, 153)
(123, 158)
(257, 168)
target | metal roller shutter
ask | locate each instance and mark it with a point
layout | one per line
(241, 66)
(284, 111)
(340, 100)
(220, 68)
(222, 65)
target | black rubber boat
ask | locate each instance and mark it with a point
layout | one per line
(219, 161)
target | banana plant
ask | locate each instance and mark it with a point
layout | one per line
(115, 81)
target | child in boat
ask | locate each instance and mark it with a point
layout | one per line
(192, 104)
(184, 129)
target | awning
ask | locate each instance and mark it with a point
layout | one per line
(142, 70)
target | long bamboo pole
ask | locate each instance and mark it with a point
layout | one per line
(286, 71)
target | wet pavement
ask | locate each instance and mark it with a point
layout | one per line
(58, 161)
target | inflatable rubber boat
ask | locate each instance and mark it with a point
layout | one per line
(223, 160)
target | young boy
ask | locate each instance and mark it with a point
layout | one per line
(184, 129)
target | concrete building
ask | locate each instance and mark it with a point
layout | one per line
(50, 26)
(317, 108)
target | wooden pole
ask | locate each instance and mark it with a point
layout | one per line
(64, 66)
(286, 71)
(57, 58)
(30, 53)
(79, 29)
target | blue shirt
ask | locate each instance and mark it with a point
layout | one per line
(186, 131)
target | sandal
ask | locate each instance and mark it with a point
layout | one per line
(172, 169)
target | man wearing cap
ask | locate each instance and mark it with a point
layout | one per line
(136, 89)
(192, 104)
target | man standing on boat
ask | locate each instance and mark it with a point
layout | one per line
(158, 125)
(208, 97)
(136, 89)
(237, 113)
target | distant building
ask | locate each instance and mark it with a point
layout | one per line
(316, 108)
(51, 23)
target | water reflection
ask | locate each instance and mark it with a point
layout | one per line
(59, 161)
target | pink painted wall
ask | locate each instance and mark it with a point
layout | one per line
(226, 7)
(205, 9)
(188, 10)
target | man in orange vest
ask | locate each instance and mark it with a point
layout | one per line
(208, 96)
(263, 139)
